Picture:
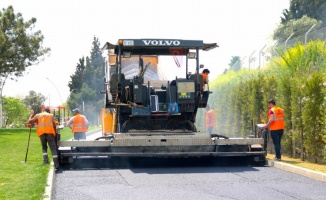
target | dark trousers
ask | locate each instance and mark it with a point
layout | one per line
(48, 139)
(277, 136)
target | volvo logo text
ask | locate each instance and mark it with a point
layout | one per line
(162, 42)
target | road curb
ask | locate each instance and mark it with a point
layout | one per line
(298, 170)
(48, 189)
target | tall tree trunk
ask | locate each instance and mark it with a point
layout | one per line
(2, 83)
(1, 124)
(1, 117)
(293, 138)
(302, 146)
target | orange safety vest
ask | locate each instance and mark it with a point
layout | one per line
(44, 124)
(210, 118)
(78, 124)
(205, 77)
(278, 119)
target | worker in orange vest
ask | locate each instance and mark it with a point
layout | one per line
(276, 126)
(210, 119)
(78, 124)
(46, 131)
(205, 74)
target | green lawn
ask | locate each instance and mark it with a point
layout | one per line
(20, 180)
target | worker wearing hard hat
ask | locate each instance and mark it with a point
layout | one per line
(79, 125)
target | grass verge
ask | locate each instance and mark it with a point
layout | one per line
(299, 163)
(20, 180)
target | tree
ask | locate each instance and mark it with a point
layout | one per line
(89, 77)
(297, 27)
(34, 101)
(89, 73)
(94, 73)
(78, 78)
(313, 112)
(98, 64)
(298, 8)
(15, 112)
(235, 63)
(20, 46)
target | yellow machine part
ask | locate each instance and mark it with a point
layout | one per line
(108, 117)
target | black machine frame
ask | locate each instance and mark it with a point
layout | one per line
(158, 123)
(138, 106)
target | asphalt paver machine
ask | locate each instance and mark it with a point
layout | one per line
(146, 116)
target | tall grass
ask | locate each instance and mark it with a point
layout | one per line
(296, 80)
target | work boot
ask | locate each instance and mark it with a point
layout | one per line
(45, 160)
(56, 163)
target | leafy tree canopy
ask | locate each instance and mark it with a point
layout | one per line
(298, 8)
(235, 63)
(77, 78)
(15, 112)
(34, 100)
(297, 27)
(20, 46)
(95, 69)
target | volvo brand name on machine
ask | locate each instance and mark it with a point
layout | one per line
(161, 42)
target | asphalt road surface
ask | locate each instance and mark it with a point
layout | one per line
(170, 179)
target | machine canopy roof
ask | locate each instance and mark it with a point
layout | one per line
(158, 46)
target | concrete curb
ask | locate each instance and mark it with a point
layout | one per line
(298, 170)
(48, 189)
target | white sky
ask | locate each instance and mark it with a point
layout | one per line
(239, 27)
